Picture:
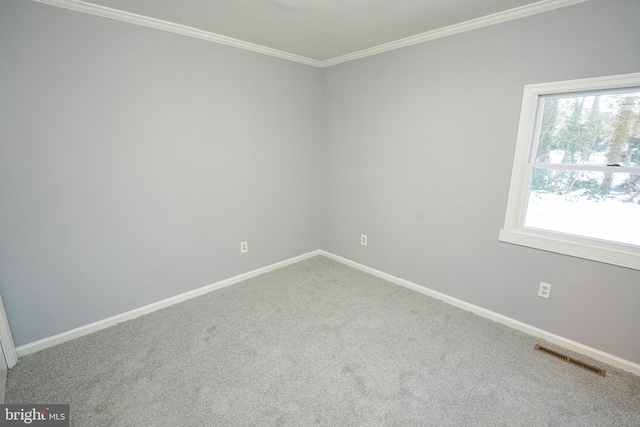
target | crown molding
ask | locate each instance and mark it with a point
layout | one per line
(158, 24)
(132, 18)
(485, 21)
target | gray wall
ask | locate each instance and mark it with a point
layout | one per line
(418, 150)
(134, 161)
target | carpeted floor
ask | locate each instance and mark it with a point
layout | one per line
(319, 343)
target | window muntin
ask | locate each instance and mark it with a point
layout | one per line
(575, 186)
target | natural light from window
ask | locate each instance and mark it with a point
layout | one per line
(600, 130)
(575, 187)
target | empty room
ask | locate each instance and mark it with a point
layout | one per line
(296, 212)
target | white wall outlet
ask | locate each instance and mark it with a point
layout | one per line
(544, 290)
(244, 247)
(363, 239)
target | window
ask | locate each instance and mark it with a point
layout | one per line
(575, 185)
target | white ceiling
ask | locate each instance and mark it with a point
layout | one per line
(317, 32)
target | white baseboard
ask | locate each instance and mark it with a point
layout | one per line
(35, 346)
(504, 320)
(591, 352)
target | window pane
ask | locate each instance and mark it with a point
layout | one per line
(600, 205)
(594, 129)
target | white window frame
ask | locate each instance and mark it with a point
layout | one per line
(526, 144)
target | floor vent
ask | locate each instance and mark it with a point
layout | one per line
(571, 360)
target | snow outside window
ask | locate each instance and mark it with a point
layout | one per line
(575, 185)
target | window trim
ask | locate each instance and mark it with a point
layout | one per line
(513, 230)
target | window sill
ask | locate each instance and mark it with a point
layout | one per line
(566, 246)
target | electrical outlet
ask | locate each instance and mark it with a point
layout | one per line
(244, 247)
(544, 290)
(363, 239)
